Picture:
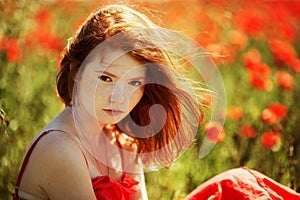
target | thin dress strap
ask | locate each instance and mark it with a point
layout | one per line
(27, 156)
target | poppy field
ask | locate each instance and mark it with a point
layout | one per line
(254, 44)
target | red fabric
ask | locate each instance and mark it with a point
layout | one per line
(242, 184)
(107, 188)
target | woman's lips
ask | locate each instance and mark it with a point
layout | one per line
(112, 112)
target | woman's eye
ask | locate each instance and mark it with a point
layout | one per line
(105, 78)
(135, 83)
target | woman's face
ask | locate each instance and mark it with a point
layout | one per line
(111, 88)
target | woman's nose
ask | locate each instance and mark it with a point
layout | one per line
(117, 94)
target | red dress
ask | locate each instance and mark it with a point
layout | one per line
(107, 188)
(242, 184)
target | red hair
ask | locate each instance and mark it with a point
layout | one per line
(182, 109)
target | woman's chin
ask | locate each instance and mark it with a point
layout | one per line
(111, 120)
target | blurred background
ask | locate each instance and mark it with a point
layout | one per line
(257, 44)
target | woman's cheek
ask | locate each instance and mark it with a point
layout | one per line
(136, 97)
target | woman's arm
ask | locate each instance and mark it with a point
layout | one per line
(141, 193)
(63, 168)
(135, 171)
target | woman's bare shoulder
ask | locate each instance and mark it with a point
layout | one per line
(55, 152)
(58, 148)
(61, 163)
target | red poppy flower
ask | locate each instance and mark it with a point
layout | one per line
(250, 21)
(283, 52)
(295, 65)
(214, 131)
(268, 117)
(248, 131)
(259, 72)
(235, 112)
(260, 69)
(42, 35)
(279, 109)
(288, 31)
(274, 113)
(12, 48)
(238, 39)
(269, 139)
(281, 14)
(251, 58)
(50, 41)
(285, 80)
(43, 17)
(45, 39)
(260, 83)
(14, 53)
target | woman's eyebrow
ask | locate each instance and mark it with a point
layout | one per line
(107, 73)
(138, 78)
(115, 76)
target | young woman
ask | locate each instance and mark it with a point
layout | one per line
(128, 108)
